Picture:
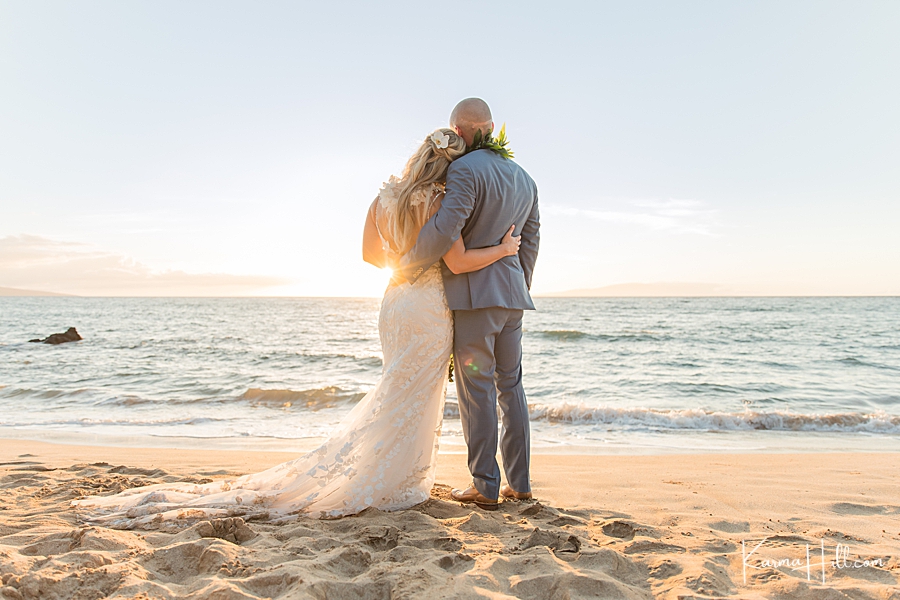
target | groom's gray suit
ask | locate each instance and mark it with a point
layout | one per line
(485, 195)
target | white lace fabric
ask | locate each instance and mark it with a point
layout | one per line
(422, 203)
(382, 455)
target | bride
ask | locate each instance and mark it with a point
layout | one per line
(383, 453)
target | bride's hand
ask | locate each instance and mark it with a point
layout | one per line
(511, 244)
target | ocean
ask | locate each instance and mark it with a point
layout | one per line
(602, 375)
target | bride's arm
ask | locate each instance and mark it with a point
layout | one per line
(460, 260)
(372, 250)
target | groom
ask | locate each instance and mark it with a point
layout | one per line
(485, 194)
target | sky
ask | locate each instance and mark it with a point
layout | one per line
(232, 148)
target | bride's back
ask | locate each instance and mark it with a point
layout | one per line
(406, 203)
(399, 223)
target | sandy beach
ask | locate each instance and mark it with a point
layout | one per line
(676, 527)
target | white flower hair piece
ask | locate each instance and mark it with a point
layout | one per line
(440, 139)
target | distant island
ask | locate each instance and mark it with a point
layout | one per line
(631, 290)
(5, 291)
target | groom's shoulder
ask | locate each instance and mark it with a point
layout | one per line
(472, 160)
(484, 160)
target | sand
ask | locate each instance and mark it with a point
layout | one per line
(600, 527)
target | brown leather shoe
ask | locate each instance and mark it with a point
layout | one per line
(472, 495)
(508, 492)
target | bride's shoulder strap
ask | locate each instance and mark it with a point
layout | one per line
(389, 194)
(427, 195)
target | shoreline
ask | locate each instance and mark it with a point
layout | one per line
(665, 526)
(679, 442)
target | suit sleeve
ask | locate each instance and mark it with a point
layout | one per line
(441, 230)
(531, 238)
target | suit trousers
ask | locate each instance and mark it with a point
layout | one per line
(487, 349)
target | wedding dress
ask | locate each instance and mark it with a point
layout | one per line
(382, 454)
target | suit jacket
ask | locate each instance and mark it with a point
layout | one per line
(485, 194)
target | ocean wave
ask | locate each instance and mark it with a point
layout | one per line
(697, 419)
(93, 397)
(855, 362)
(115, 422)
(13, 392)
(314, 399)
(563, 335)
(369, 361)
(127, 400)
(574, 335)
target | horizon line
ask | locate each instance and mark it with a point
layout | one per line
(550, 296)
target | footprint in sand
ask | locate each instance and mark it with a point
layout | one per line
(123, 470)
(380, 537)
(730, 526)
(555, 541)
(231, 529)
(533, 510)
(477, 523)
(651, 547)
(618, 529)
(456, 563)
(863, 510)
(663, 569)
(568, 520)
(328, 590)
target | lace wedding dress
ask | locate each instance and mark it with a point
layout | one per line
(381, 455)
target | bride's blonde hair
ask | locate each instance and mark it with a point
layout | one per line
(426, 166)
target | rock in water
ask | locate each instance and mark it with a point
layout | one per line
(60, 338)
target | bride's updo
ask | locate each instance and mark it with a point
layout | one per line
(427, 166)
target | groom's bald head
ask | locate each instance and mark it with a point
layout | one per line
(469, 116)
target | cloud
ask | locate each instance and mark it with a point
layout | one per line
(34, 262)
(675, 216)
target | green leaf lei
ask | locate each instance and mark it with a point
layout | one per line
(487, 142)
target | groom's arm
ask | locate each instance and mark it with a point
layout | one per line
(441, 230)
(531, 239)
